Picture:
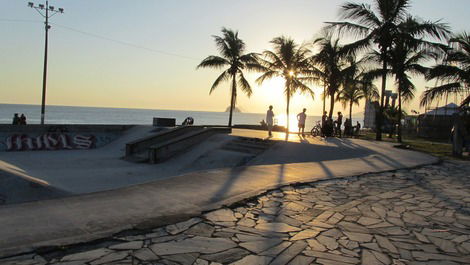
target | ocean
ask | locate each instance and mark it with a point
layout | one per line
(95, 115)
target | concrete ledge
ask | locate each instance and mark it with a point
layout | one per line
(142, 144)
(165, 150)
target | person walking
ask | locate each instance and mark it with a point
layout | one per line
(270, 120)
(301, 118)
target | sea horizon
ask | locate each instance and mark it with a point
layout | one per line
(58, 114)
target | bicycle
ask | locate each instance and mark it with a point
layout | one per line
(316, 130)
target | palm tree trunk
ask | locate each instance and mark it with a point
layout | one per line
(324, 98)
(379, 119)
(287, 108)
(399, 116)
(332, 106)
(232, 101)
(350, 111)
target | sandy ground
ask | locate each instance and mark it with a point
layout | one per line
(58, 173)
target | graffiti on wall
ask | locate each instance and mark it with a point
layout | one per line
(49, 141)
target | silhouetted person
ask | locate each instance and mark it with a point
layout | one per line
(16, 119)
(188, 121)
(324, 119)
(270, 120)
(301, 118)
(358, 128)
(347, 127)
(339, 121)
(22, 119)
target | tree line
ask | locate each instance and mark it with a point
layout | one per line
(389, 42)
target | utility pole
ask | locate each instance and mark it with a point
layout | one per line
(46, 12)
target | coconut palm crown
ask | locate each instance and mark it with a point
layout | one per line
(330, 66)
(289, 61)
(234, 60)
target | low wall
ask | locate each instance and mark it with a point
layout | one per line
(142, 144)
(57, 137)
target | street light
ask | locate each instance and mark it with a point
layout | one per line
(46, 12)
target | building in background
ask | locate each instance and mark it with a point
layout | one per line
(371, 108)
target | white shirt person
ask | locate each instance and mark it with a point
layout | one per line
(301, 118)
(270, 120)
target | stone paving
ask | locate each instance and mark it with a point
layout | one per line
(419, 216)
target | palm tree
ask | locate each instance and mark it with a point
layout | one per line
(329, 66)
(355, 86)
(379, 25)
(455, 72)
(405, 60)
(232, 50)
(290, 62)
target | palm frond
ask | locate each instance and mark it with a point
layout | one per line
(244, 85)
(433, 93)
(222, 77)
(267, 75)
(361, 13)
(213, 62)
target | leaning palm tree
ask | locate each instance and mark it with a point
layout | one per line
(290, 62)
(455, 72)
(379, 25)
(232, 56)
(329, 66)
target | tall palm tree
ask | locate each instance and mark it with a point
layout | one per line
(290, 62)
(379, 25)
(329, 66)
(231, 49)
(455, 72)
(405, 60)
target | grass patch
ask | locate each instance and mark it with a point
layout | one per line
(440, 149)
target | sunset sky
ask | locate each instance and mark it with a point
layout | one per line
(143, 54)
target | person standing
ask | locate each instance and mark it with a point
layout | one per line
(16, 119)
(301, 117)
(324, 119)
(270, 120)
(22, 119)
(339, 121)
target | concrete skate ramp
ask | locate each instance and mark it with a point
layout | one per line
(17, 187)
(50, 174)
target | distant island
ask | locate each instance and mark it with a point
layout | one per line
(234, 109)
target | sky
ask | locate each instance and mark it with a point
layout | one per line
(143, 54)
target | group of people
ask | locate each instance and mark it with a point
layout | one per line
(19, 120)
(328, 126)
(333, 128)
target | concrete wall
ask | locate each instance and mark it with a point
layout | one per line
(57, 137)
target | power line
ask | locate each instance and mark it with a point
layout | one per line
(125, 43)
(20, 20)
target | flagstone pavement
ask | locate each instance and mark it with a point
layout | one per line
(417, 216)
